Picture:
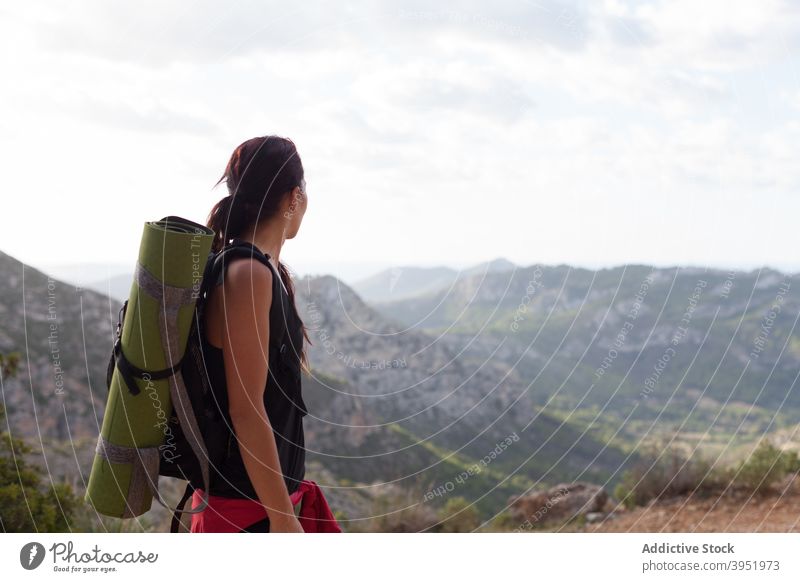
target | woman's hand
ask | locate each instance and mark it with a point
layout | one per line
(285, 524)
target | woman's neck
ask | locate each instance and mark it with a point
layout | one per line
(269, 238)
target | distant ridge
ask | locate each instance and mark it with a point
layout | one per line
(397, 283)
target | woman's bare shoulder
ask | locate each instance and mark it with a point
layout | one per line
(247, 282)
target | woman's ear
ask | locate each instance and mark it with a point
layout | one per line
(295, 201)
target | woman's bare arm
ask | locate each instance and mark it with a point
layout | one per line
(247, 296)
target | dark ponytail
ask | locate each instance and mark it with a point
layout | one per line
(229, 218)
(260, 172)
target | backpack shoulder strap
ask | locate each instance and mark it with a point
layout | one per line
(240, 248)
(175, 522)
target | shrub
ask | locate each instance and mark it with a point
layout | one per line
(398, 511)
(664, 473)
(25, 504)
(764, 467)
(458, 515)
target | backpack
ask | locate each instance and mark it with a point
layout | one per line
(177, 453)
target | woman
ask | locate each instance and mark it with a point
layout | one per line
(265, 466)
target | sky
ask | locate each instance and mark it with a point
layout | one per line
(591, 133)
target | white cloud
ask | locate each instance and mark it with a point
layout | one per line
(539, 131)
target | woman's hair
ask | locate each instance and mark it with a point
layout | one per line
(260, 172)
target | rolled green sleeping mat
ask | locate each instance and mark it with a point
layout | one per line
(146, 380)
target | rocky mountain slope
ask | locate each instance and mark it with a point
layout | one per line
(688, 349)
(502, 383)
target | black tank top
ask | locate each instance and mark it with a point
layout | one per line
(283, 401)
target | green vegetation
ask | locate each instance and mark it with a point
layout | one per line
(663, 473)
(26, 504)
(396, 511)
(488, 485)
(458, 515)
(765, 467)
(668, 471)
(455, 460)
(9, 365)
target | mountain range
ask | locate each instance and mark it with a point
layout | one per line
(571, 368)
